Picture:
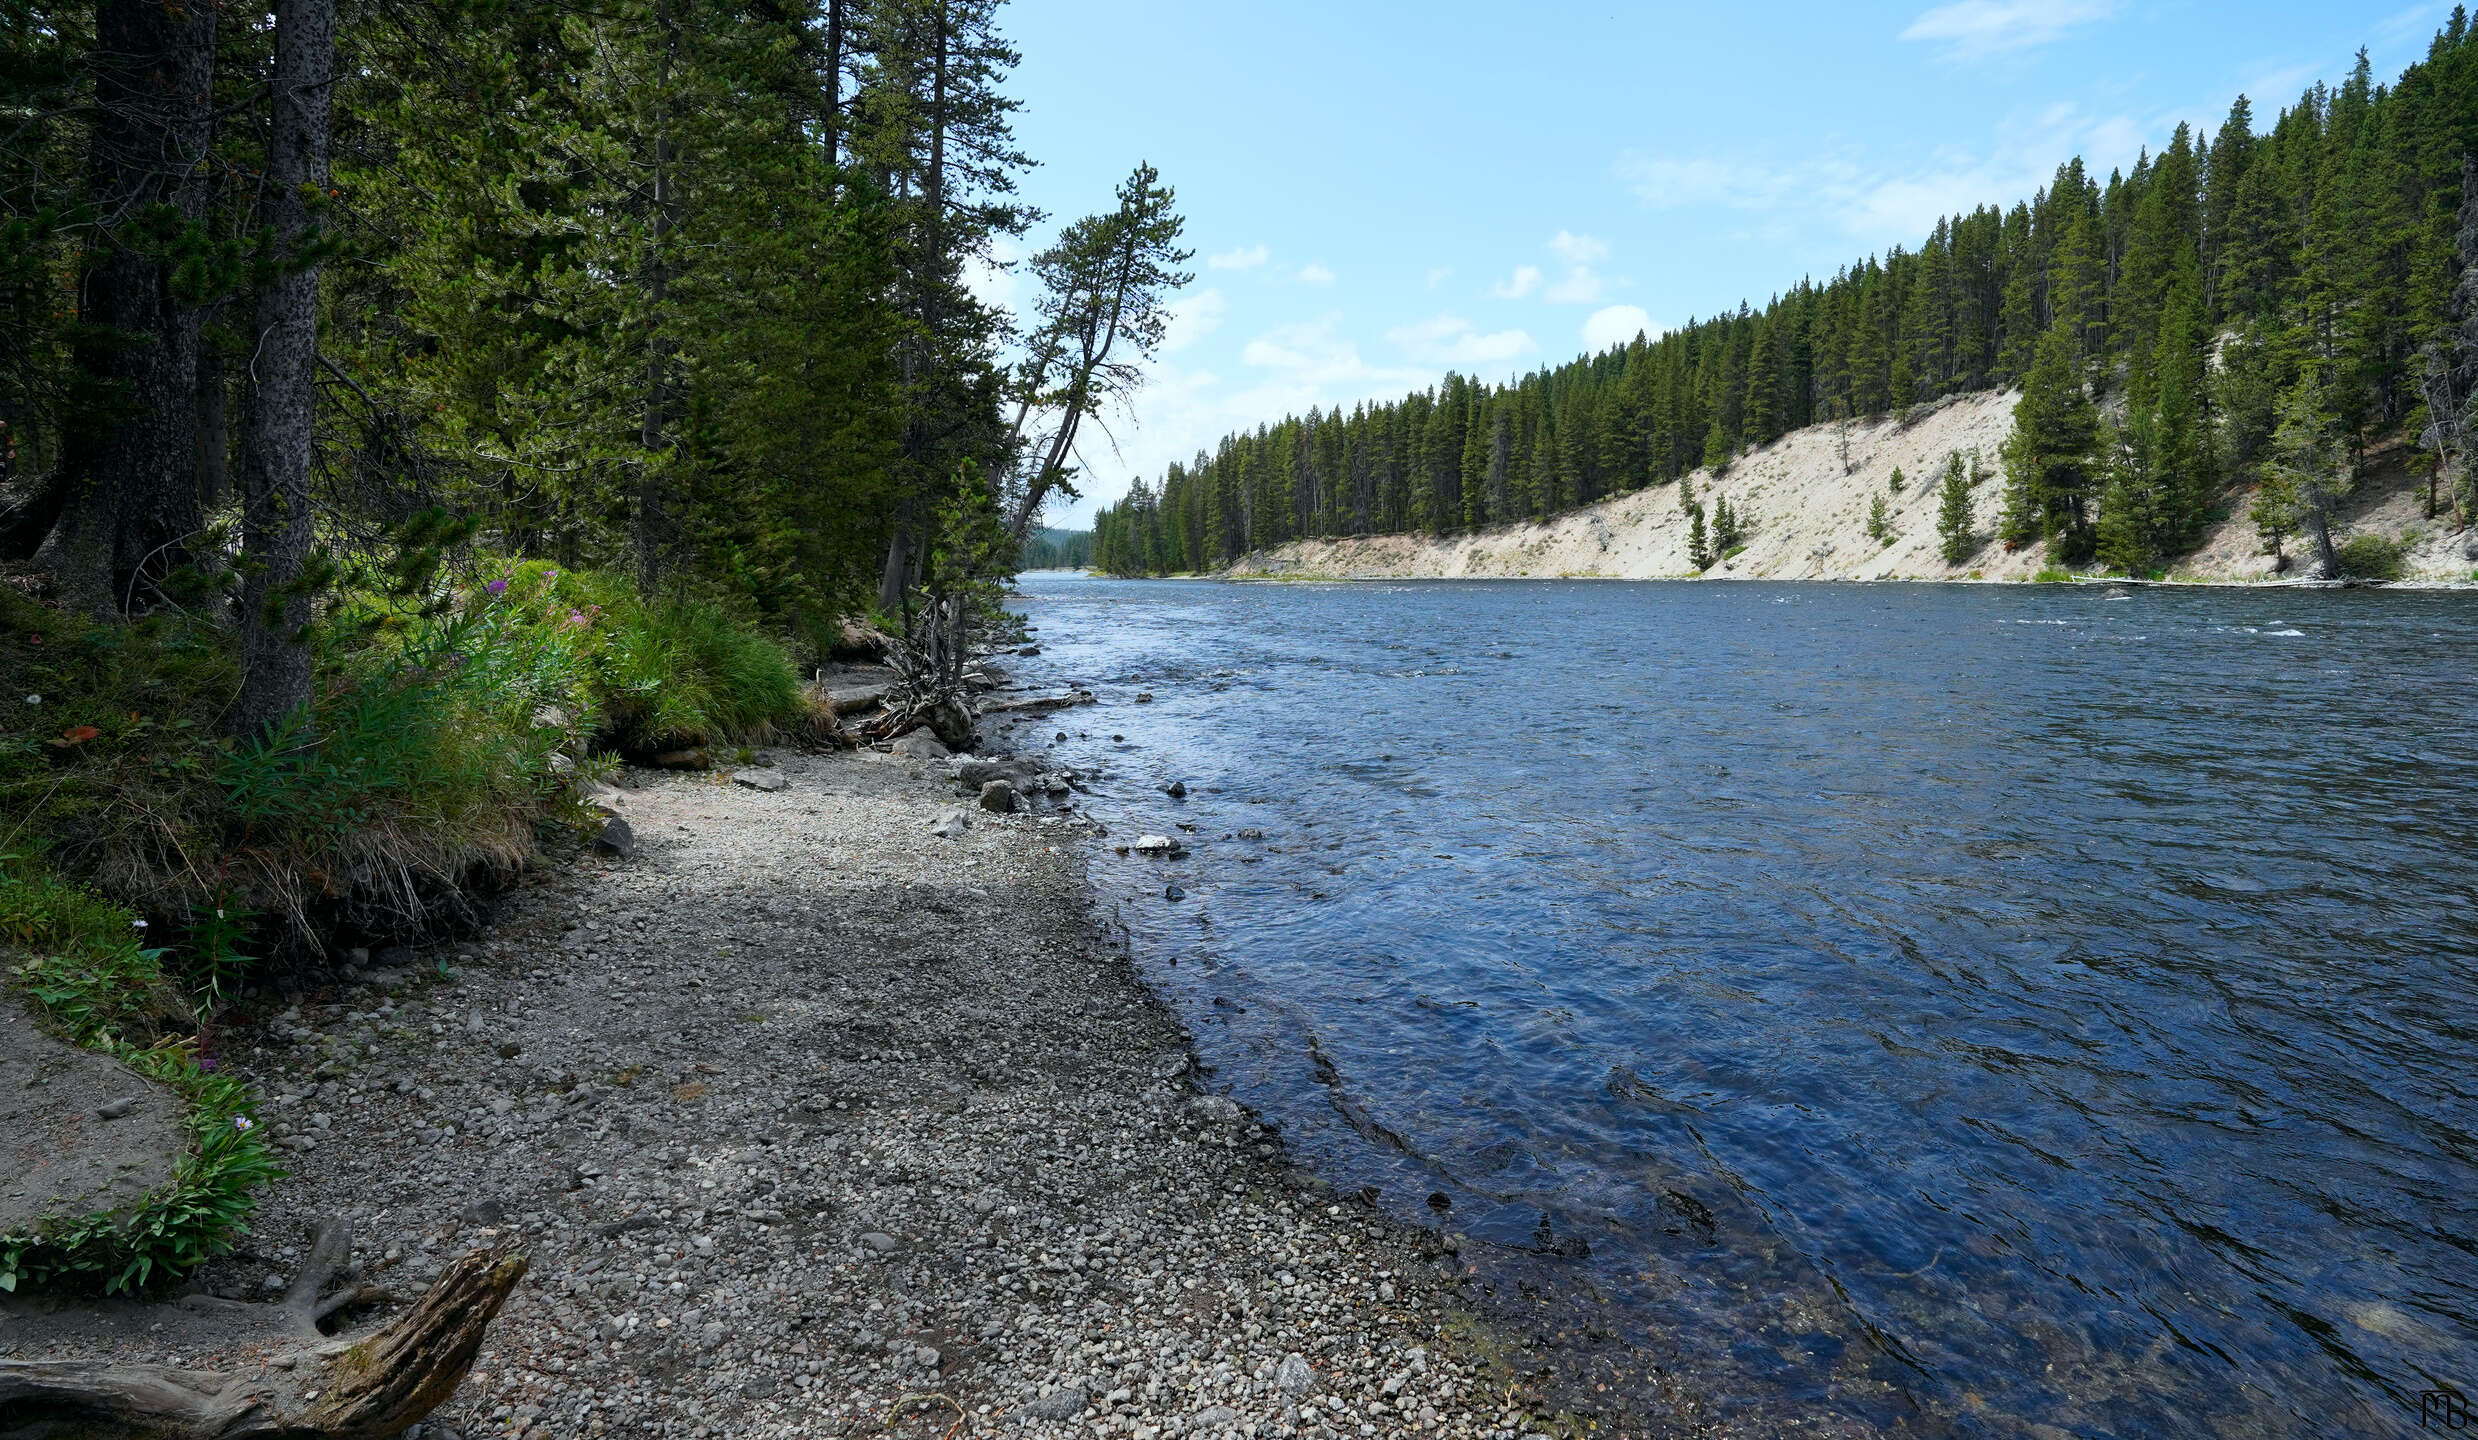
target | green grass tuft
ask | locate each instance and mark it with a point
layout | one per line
(95, 985)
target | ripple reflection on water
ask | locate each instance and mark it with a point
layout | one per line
(2052, 1007)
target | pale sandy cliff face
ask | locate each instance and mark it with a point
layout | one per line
(1804, 507)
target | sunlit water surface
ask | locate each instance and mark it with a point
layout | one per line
(1971, 1008)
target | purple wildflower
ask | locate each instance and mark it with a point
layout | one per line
(497, 587)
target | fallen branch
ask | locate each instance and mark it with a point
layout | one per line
(346, 1388)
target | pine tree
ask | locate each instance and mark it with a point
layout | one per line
(1879, 520)
(1698, 541)
(1955, 524)
(2049, 464)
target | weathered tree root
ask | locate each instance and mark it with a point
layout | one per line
(305, 1384)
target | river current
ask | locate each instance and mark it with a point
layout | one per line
(1989, 1010)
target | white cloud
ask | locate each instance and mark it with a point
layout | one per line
(1245, 258)
(1615, 326)
(1524, 280)
(1437, 276)
(1667, 182)
(1313, 351)
(1580, 287)
(1577, 249)
(1450, 340)
(1976, 29)
(1193, 317)
(1837, 193)
(1315, 273)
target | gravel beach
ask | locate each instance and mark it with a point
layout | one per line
(815, 1122)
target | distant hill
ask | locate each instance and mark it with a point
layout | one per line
(1047, 549)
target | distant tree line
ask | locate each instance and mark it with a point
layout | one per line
(1046, 549)
(2230, 310)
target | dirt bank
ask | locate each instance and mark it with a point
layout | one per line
(1805, 500)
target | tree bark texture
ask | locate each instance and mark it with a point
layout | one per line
(278, 525)
(345, 1388)
(128, 457)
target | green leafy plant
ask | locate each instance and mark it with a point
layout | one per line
(2372, 557)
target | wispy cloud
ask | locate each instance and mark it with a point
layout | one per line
(1451, 340)
(1670, 182)
(1247, 257)
(1519, 285)
(1437, 275)
(1838, 193)
(1615, 325)
(1315, 273)
(1576, 249)
(1970, 30)
(1193, 317)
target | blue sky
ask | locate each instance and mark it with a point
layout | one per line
(1380, 192)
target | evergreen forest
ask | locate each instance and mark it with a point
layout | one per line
(2258, 306)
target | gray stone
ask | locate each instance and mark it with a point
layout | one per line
(484, 1212)
(1176, 789)
(1174, 893)
(973, 774)
(1157, 845)
(921, 745)
(60, 1161)
(950, 825)
(1217, 1417)
(713, 1335)
(998, 797)
(1251, 833)
(1294, 1377)
(1065, 1403)
(616, 838)
(767, 780)
(879, 1241)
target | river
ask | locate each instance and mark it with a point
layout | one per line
(1990, 1010)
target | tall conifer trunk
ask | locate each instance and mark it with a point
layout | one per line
(278, 526)
(131, 502)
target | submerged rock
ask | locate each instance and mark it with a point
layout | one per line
(1157, 845)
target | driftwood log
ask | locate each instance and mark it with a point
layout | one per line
(303, 1382)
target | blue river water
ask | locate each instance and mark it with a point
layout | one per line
(2005, 1010)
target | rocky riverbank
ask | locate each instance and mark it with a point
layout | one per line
(813, 1121)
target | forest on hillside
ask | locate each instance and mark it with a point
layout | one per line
(2258, 306)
